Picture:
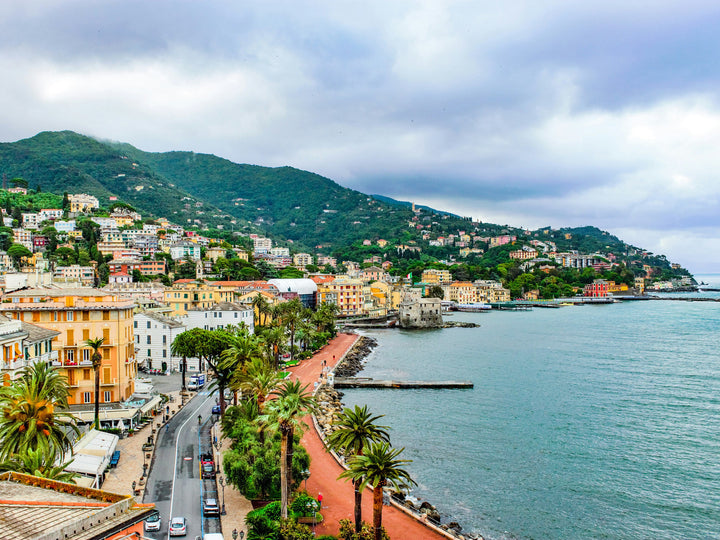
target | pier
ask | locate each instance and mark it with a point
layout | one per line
(366, 382)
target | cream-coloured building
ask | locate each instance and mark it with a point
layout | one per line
(82, 202)
(78, 315)
(435, 276)
(491, 292)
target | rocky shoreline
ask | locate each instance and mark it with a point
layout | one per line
(329, 408)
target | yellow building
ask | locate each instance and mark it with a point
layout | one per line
(346, 294)
(462, 292)
(79, 315)
(189, 293)
(433, 276)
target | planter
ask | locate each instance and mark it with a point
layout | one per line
(259, 503)
(309, 520)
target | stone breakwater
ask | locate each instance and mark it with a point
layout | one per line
(329, 408)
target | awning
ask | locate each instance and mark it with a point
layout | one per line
(151, 404)
(92, 453)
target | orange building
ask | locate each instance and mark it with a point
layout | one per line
(79, 315)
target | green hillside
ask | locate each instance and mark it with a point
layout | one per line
(64, 161)
(308, 211)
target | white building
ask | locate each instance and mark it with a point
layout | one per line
(50, 214)
(219, 316)
(302, 259)
(181, 250)
(65, 226)
(30, 220)
(154, 335)
(280, 252)
(83, 202)
(262, 245)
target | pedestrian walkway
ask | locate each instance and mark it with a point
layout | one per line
(337, 495)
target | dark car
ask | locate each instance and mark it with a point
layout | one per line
(216, 409)
(211, 508)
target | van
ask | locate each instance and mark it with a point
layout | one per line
(213, 536)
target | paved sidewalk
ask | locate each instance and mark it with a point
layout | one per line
(338, 495)
(130, 467)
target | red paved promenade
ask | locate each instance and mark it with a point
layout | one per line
(338, 498)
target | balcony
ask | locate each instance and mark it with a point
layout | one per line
(110, 382)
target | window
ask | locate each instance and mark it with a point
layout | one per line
(149, 340)
(86, 355)
(164, 353)
(106, 315)
(135, 324)
(106, 336)
(70, 316)
(164, 340)
(70, 355)
(148, 324)
(86, 374)
(149, 353)
(137, 338)
(87, 397)
(107, 397)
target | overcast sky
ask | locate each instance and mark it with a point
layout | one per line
(559, 113)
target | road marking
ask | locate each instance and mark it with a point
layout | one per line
(177, 434)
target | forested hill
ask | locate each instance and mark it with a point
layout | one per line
(309, 211)
(300, 206)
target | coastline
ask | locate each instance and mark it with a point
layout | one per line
(331, 405)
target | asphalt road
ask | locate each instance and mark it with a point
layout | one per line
(174, 481)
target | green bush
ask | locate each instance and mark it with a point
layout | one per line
(304, 505)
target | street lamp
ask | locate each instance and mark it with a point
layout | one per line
(306, 474)
(222, 484)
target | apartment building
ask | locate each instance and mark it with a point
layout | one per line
(433, 276)
(462, 292)
(85, 275)
(23, 344)
(219, 316)
(78, 315)
(83, 202)
(154, 334)
(347, 294)
(491, 292)
(189, 294)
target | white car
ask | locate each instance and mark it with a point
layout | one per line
(153, 522)
(178, 526)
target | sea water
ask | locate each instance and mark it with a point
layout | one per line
(584, 421)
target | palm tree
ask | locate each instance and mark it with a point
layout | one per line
(244, 347)
(96, 360)
(40, 463)
(292, 403)
(292, 315)
(379, 467)
(258, 378)
(275, 341)
(28, 416)
(355, 429)
(262, 307)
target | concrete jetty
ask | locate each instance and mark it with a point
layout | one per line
(366, 382)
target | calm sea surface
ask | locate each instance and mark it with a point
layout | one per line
(584, 422)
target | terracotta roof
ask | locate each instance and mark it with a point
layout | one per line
(33, 508)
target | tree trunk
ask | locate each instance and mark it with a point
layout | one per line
(288, 458)
(358, 506)
(183, 367)
(377, 510)
(97, 398)
(284, 494)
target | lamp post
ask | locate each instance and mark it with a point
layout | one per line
(222, 484)
(306, 474)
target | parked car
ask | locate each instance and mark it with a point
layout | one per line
(216, 409)
(207, 466)
(178, 526)
(153, 523)
(211, 508)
